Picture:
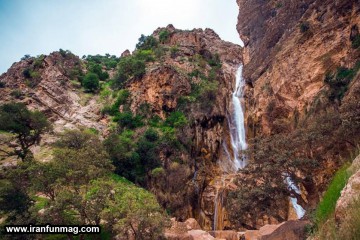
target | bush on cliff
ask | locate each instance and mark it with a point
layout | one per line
(91, 82)
(146, 42)
(164, 36)
(129, 67)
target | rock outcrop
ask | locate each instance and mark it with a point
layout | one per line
(350, 193)
(289, 49)
(193, 72)
(51, 90)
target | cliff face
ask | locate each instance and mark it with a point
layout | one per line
(165, 86)
(289, 47)
(50, 89)
(192, 72)
(292, 49)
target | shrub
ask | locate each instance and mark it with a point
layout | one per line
(164, 36)
(91, 82)
(156, 172)
(121, 99)
(38, 61)
(16, 94)
(304, 27)
(215, 61)
(64, 53)
(2, 84)
(27, 73)
(176, 119)
(151, 135)
(127, 120)
(111, 64)
(146, 42)
(145, 55)
(356, 42)
(76, 74)
(340, 81)
(129, 67)
(25, 57)
(97, 69)
(173, 51)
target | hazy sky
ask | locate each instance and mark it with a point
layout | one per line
(102, 26)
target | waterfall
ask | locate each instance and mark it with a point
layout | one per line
(236, 122)
(300, 212)
(236, 159)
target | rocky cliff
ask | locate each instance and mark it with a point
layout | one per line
(192, 72)
(294, 56)
(44, 83)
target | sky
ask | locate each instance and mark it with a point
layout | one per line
(85, 27)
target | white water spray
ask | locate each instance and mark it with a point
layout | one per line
(300, 212)
(237, 123)
(236, 159)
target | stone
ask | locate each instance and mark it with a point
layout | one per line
(225, 234)
(349, 194)
(192, 224)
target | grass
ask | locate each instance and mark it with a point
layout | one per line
(40, 203)
(327, 205)
(347, 229)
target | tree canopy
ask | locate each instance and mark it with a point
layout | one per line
(27, 127)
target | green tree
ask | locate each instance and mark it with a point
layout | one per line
(91, 82)
(27, 127)
(146, 42)
(129, 67)
(97, 69)
(80, 190)
(164, 36)
(133, 212)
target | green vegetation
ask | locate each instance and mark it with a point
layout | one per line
(27, 127)
(78, 188)
(174, 51)
(164, 36)
(304, 27)
(97, 69)
(129, 67)
(146, 43)
(327, 205)
(65, 53)
(25, 57)
(91, 82)
(261, 188)
(110, 62)
(176, 119)
(122, 99)
(16, 94)
(355, 43)
(127, 120)
(339, 82)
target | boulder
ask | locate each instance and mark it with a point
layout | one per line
(349, 194)
(294, 230)
(228, 235)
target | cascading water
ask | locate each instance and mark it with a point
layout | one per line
(300, 212)
(237, 122)
(236, 159)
